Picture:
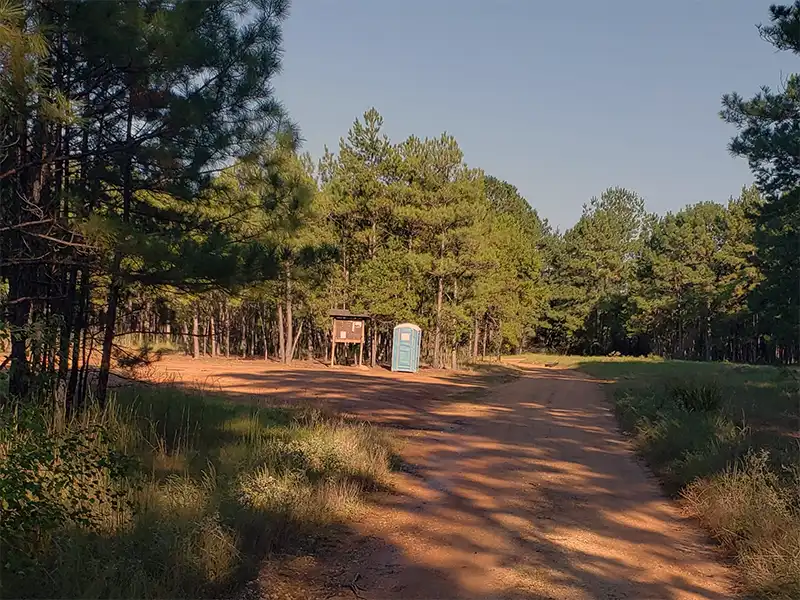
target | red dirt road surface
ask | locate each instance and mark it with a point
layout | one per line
(526, 490)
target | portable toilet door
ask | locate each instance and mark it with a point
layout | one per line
(405, 348)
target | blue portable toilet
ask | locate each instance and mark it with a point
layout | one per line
(405, 348)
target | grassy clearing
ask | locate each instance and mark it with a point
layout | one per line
(726, 439)
(168, 493)
(585, 362)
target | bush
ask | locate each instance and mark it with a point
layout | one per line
(697, 397)
(165, 493)
(51, 481)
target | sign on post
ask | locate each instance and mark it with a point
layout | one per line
(347, 328)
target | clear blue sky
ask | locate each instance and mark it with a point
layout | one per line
(561, 99)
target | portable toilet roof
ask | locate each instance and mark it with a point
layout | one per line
(408, 326)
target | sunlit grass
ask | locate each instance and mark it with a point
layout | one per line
(216, 488)
(568, 361)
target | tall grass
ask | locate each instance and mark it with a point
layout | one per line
(756, 517)
(726, 439)
(192, 492)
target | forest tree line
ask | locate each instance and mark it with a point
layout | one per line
(152, 191)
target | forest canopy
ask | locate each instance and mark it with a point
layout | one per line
(153, 191)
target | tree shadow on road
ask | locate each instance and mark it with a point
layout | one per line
(529, 493)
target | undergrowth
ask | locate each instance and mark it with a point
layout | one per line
(168, 493)
(726, 439)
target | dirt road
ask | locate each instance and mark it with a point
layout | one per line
(525, 492)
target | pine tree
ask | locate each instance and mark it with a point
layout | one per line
(769, 137)
(596, 267)
(506, 292)
(446, 204)
(117, 131)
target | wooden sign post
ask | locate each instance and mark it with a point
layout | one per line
(347, 328)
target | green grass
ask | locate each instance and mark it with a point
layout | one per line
(725, 438)
(211, 490)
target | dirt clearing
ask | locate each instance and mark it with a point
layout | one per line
(525, 491)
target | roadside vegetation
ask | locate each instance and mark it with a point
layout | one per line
(167, 493)
(725, 438)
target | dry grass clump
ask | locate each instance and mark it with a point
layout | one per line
(755, 516)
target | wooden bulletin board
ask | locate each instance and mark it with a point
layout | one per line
(349, 331)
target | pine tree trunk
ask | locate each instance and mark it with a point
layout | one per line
(227, 316)
(19, 380)
(454, 351)
(310, 342)
(265, 333)
(80, 325)
(281, 334)
(289, 324)
(597, 335)
(475, 341)
(499, 339)
(88, 350)
(195, 336)
(346, 275)
(373, 351)
(251, 339)
(115, 287)
(19, 276)
(708, 332)
(108, 335)
(295, 340)
(185, 337)
(438, 330)
(135, 323)
(18, 366)
(66, 329)
(243, 341)
(146, 325)
(212, 334)
(485, 335)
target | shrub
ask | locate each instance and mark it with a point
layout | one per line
(217, 487)
(697, 396)
(48, 482)
(754, 516)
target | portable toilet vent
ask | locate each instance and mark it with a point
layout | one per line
(405, 348)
